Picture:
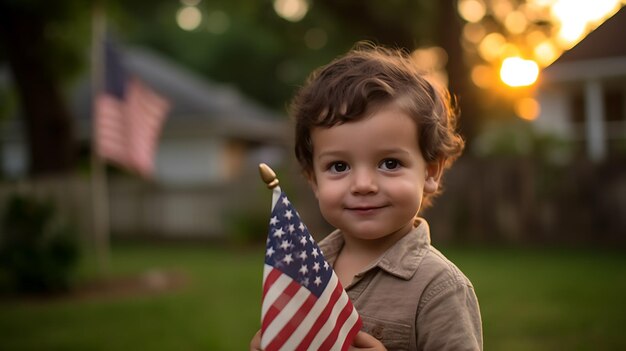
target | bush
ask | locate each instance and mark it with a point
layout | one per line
(37, 253)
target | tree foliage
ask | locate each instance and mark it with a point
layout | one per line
(262, 54)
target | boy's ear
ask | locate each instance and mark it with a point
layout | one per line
(434, 170)
(310, 177)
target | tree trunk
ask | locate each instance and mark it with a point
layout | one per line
(48, 123)
(460, 85)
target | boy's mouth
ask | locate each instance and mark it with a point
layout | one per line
(364, 209)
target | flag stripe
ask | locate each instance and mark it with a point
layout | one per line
(290, 305)
(322, 319)
(279, 304)
(270, 278)
(292, 323)
(330, 342)
(307, 324)
(287, 331)
(274, 292)
(356, 323)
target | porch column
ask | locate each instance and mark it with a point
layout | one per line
(594, 115)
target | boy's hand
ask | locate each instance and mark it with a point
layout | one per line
(362, 341)
(366, 342)
(255, 343)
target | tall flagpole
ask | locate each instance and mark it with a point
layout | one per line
(99, 189)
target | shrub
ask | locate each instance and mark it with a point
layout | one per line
(37, 253)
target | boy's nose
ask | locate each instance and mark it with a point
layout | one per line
(363, 182)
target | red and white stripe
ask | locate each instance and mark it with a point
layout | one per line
(294, 319)
(127, 130)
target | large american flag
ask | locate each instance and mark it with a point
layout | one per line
(304, 305)
(128, 117)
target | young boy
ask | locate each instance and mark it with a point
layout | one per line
(373, 137)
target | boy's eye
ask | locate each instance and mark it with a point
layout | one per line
(389, 164)
(338, 167)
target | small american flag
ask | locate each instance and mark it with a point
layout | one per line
(304, 305)
(128, 117)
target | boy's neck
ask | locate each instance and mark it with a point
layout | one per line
(366, 252)
(357, 255)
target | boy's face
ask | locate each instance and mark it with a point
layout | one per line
(369, 176)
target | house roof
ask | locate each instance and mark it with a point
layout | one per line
(600, 55)
(605, 41)
(199, 106)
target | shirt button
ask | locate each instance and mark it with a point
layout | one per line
(377, 332)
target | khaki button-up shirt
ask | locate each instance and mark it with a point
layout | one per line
(413, 297)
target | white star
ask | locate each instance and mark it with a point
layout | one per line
(303, 255)
(301, 227)
(311, 239)
(273, 221)
(305, 281)
(291, 228)
(288, 214)
(270, 251)
(285, 201)
(279, 232)
(288, 259)
(285, 245)
(303, 269)
(316, 267)
(326, 265)
(303, 240)
(315, 253)
(317, 281)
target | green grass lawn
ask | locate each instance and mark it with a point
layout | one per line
(536, 299)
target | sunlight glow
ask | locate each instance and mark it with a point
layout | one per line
(517, 72)
(433, 61)
(578, 17)
(472, 10)
(535, 38)
(516, 22)
(482, 76)
(491, 46)
(291, 10)
(511, 40)
(474, 32)
(527, 108)
(543, 3)
(501, 8)
(188, 18)
(545, 53)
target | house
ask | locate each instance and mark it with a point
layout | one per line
(210, 130)
(212, 137)
(582, 95)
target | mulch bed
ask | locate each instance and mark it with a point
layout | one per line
(151, 282)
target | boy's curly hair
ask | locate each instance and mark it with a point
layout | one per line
(368, 76)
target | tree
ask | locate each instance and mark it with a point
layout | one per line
(29, 34)
(410, 24)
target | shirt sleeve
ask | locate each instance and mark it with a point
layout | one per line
(448, 318)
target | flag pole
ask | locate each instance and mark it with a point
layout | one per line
(99, 188)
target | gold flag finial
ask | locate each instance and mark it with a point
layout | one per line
(268, 175)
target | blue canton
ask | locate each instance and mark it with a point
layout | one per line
(292, 249)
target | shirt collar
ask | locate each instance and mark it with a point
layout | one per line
(400, 260)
